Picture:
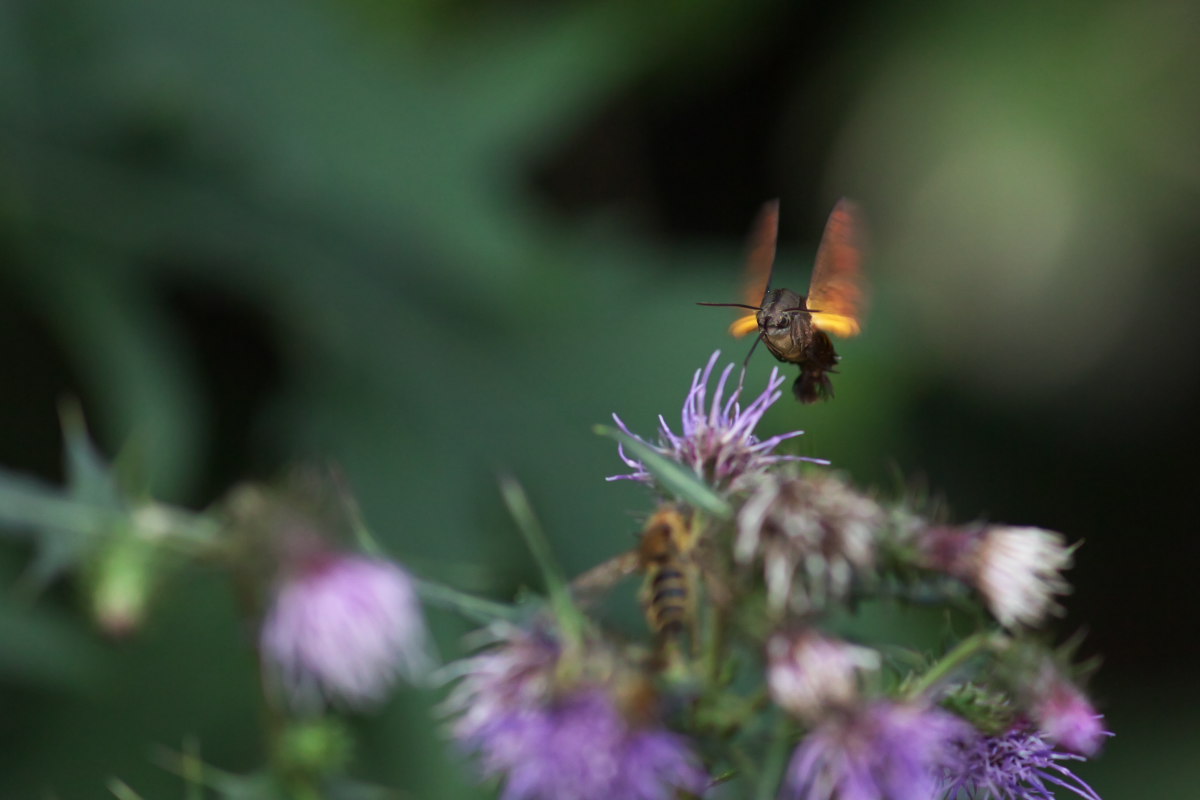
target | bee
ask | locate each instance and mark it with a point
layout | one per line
(666, 557)
(796, 327)
(682, 578)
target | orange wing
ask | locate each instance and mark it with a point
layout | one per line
(760, 259)
(838, 289)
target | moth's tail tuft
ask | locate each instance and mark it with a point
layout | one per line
(812, 385)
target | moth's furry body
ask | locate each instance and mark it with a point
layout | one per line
(788, 331)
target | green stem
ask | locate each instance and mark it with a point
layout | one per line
(772, 768)
(742, 762)
(39, 507)
(193, 770)
(439, 594)
(713, 657)
(476, 608)
(121, 790)
(192, 533)
(570, 621)
(963, 652)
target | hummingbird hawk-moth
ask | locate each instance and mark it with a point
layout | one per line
(796, 327)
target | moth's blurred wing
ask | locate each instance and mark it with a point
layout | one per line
(760, 255)
(744, 325)
(760, 262)
(838, 291)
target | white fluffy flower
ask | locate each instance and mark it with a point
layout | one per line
(808, 673)
(1018, 571)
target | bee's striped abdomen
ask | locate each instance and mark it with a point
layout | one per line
(668, 594)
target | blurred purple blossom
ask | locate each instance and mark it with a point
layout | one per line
(342, 628)
(516, 672)
(1066, 717)
(579, 747)
(549, 743)
(886, 750)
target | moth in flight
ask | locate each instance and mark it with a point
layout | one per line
(796, 327)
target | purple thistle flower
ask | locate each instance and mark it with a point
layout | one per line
(717, 438)
(342, 627)
(576, 744)
(517, 673)
(885, 751)
(1015, 766)
(579, 747)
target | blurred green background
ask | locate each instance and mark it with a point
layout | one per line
(434, 241)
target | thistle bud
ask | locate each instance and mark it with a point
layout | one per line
(1063, 713)
(123, 577)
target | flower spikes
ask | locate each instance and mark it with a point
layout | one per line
(716, 436)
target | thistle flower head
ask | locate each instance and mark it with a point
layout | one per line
(1018, 571)
(885, 750)
(1015, 766)
(716, 437)
(809, 674)
(1066, 717)
(580, 746)
(516, 672)
(577, 741)
(812, 534)
(342, 628)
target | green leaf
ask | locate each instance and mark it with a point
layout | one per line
(89, 477)
(679, 481)
(65, 521)
(61, 527)
(567, 614)
(195, 772)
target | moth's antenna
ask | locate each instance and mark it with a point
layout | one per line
(730, 305)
